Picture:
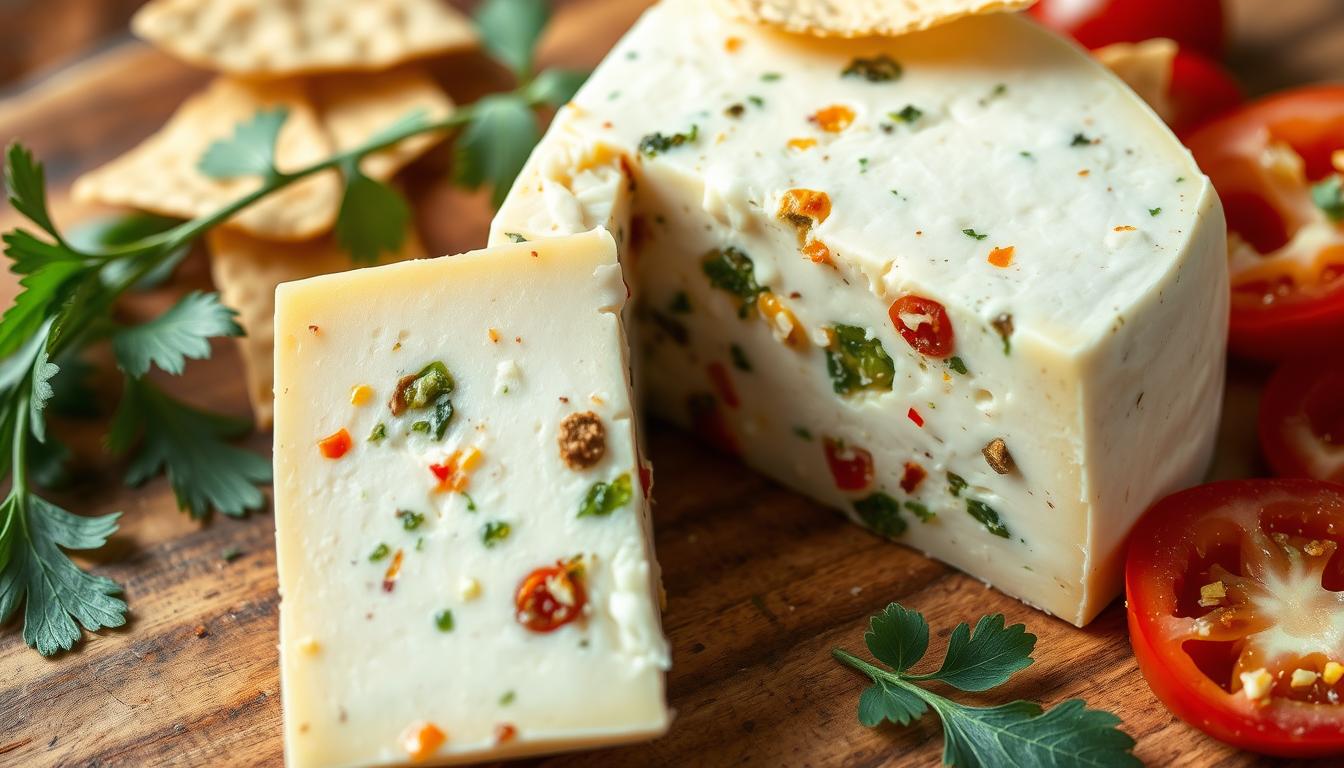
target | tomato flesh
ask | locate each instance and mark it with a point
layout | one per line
(924, 325)
(551, 597)
(1286, 252)
(1194, 24)
(1302, 421)
(1236, 611)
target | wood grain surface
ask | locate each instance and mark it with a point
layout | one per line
(761, 583)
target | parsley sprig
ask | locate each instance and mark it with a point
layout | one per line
(1018, 733)
(70, 285)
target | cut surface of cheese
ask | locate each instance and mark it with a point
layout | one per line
(962, 285)
(462, 527)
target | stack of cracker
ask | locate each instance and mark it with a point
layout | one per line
(344, 70)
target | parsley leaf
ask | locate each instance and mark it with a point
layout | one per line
(494, 146)
(26, 183)
(250, 151)
(189, 445)
(556, 86)
(373, 217)
(1018, 733)
(36, 572)
(510, 29)
(1329, 197)
(184, 331)
(42, 289)
(125, 229)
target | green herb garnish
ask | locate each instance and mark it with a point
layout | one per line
(604, 498)
(1019, 733)
(1329, 197)
(882, 514)
(431, 389)
(1154, 212)
(731, 270)
(856, 362)
(379, 552)
(494, 532)
(971, 233)
(410, 520)
(955, 483)
(444, 620)
(909, 114)
(987, 516)
(378, 433)
(877, 69)
(655, 143)
(957, 365)
(920, 511)
(740, 361)
(1080, 140)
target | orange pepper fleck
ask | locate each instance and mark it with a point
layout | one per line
(393, 571)
(834, 119)
(732, 44)
(422, 740)
(494, 335)
(361, 394)
(782, 321)
(337, 445)
(818, 253)
(455, 472)
(802, 144)
(1125, 228)
(504, 733)
(1002, 257)
(804, 209)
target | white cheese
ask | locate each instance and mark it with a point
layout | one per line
(375, 663)
(1078, 251)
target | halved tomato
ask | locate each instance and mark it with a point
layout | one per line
(1196, 25)
(1277, 166)
(1302, 421)
(1236, 613)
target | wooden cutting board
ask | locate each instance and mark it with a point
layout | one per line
(761, 583)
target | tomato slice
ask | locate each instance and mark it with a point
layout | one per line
(1276, 165)
(551, 597)
(924, 325)
(1193, 24)
(1236, 613)
(1302, 421)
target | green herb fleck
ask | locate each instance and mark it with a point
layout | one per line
(957, 365)
(771, 77)
(507, 698)
(410, 520)
(655, 143)
(998, 90)
(756, 101)
(955, 483)
(604, 498)
(740, 361)
(1080, 140)
(921, 511)
(1154, 212)
(471, 503)
(803, 433)
(444, 620)
(1329, 197)
(229, 554)
(379, 432)
(1027, 155)
(877, 69)
(856, 362)
(987, 517)
(1003, 325)
(863, 165)
(882, 514)
(731, 270)
(909, 114)
(971, 233)
(494, 532)
(681, 303)
(421, 427)
(1017, 733)
(515, 237)
(420, 544)
(379, 552)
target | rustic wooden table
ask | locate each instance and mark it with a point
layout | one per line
(761, 583)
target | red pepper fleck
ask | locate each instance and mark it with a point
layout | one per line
(723, 384)
(912, 477)
(933, 334)
(915, 417)
(851, 466)
(550, 597)
(393, 571)
(337, 445)
(504, 733)
(646, 478)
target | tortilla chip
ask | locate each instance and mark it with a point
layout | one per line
(247, 270)
(354, 108)
(861, 18)
(160, 175)
(280, 38)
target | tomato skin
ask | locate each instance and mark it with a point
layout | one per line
(1194, 24)
(538, 609)
(934, 337)
(1263, 211)
(1200, 91)
(1159, 556)
(1303, 397)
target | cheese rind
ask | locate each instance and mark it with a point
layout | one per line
(1077, 250)
(398, 581)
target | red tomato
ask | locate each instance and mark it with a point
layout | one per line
(1302, 421)
(1287, 254)
(851, 466)
(931, 333)
(1200, 91)
(1194, 24)
(1233, 587)
(551, 597)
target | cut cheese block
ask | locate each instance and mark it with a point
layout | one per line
(462, 530)
(962, 285)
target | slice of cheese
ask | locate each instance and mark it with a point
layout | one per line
(788, 192)
(403, 551)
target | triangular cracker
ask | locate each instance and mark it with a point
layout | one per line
(279, 38)
(247, 270)
(355, 107)
(861, 18)
(161, 175)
